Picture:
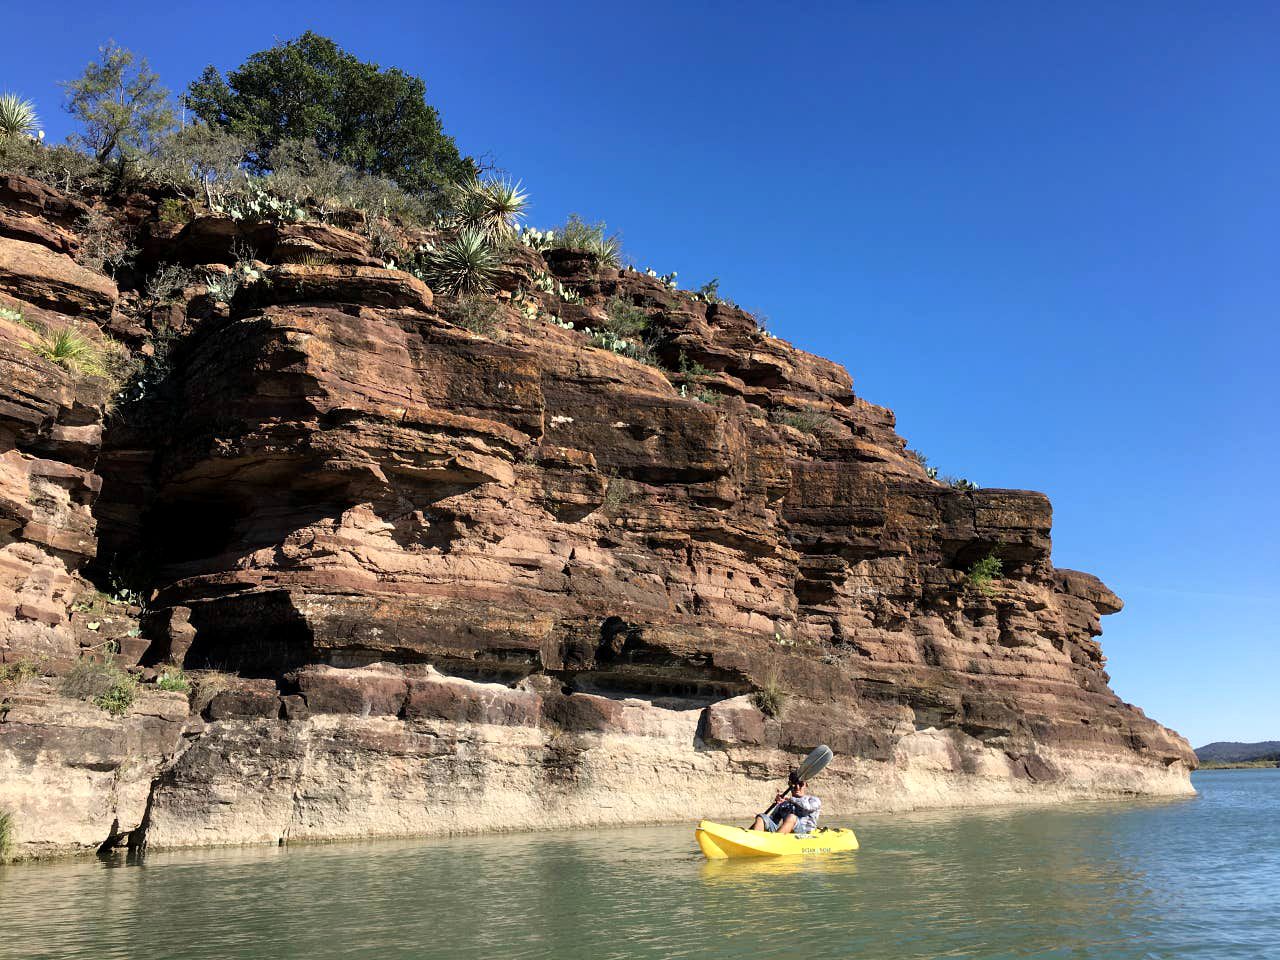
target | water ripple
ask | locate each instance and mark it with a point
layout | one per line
(1191, 879)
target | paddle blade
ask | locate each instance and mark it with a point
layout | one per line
(815, 763)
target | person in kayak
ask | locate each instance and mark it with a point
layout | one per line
(798, 814)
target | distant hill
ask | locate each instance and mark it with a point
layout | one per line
(1226, 751)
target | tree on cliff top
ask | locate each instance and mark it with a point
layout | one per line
(120, 102)
(376, 121)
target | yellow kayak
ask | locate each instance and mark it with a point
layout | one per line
(719, 841)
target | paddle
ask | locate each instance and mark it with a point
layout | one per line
(812, 765)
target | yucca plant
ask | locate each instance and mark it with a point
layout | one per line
(493, 207)
(17, 116)
(464, 265)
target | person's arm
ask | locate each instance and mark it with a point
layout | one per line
(806, 806)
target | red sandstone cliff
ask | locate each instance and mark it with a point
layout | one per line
(419, 556)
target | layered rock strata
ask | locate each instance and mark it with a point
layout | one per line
(427, 561)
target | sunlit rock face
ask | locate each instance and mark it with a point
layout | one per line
(546, 568)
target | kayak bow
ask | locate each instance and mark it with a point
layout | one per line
(719, 841)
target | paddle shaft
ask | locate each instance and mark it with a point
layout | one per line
(769, 812)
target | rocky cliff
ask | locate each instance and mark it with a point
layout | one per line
(429, 578)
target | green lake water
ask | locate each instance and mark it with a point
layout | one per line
(1187, 879)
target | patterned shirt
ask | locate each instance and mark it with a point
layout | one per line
(806, 810)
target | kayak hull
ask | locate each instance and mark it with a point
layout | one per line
(719, 841)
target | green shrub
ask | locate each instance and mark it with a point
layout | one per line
(119, 696)
(617, 492)
(17, 673)
(464, 265)
(625, 319)
(692, 369)
(172, 210)
(477, 314)
(959, 483)
(770, 698)
(354, 113)
(146, 376)
(223, 287)
(983, 573)
(6, 835)
(199, 160)
(175, 680)
(577, 234)
(17, 116)
(806, 421)
(98, 680)
(302, 173)
(58, 166)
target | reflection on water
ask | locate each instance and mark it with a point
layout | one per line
(1196, 878)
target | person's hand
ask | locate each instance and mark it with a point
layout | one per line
(777, 797)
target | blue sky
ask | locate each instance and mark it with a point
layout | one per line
(1045, 236)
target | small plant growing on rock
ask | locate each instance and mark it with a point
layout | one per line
(634, 348)
(625, 319)
(16, 674)
(959, 483)
(165, 283)
(762, 324)
(477, 314)
(6, 836)
(577, 234)
(709, 292)
(548, 284)
(668, 279)
(103, 245)
(68, 349)
(119, 696)
(921, 459)
(806, 421)
(983, 573)
(18, 117)
(617, 492)
(172, 210)
(83, 356)
(464, 265)
(692, 369)
(98, 680)
(770, 698)
(173, 679)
